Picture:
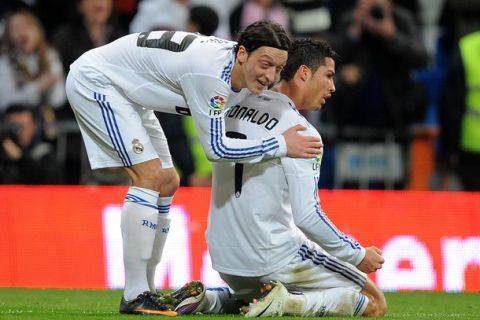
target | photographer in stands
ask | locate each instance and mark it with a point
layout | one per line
(379, 44)
(377, 99)
(24, 158)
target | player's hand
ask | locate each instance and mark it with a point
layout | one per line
(372, 261)
(299, 146)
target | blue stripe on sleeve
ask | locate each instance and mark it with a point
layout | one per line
(222, 151)
(340, 235)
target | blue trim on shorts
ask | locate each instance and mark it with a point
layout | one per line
(320, 259)
(112, 128)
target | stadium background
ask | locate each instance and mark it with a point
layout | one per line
(69, 236)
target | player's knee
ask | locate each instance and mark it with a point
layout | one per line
(171, 182)
(382, 310)
(166, 181)
(377, 307)
(152, 176)
(379, 311)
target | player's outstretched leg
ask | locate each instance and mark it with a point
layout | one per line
(147, 303)
(194, 297)
(276, 300)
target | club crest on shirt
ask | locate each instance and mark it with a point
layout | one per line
(137, 147)
(217, 103)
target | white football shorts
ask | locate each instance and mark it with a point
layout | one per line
(116, 132)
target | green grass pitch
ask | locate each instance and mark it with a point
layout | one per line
(97, 304)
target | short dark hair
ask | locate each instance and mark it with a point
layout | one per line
(309, 52)
(205, 18)
(263, 33)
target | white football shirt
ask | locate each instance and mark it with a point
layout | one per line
(256, 211)
(177, 72)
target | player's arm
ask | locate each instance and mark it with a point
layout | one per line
(206, 97)
(302, 178)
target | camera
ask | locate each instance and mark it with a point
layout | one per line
(376, 12)
(9, 130)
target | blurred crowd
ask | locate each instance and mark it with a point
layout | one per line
(405, 115)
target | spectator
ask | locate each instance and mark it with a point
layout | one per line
(93, 25)
(160, 15)
(375, 91)
(125, 10)
(253, 10)
(202, 19)
(425, 133)
(459, 102)
(379, 45)
(224, 10)
(337, 8)
(313, 17)
(53, 13)
(24, 157)
(31, 73)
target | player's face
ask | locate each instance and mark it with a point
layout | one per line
(261, 68)
(320, 86)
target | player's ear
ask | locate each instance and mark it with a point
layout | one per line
(242, 54)
(304, 72)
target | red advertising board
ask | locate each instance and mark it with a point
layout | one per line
(69, 237)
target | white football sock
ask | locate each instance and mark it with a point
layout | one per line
(163, 227)
(295, 304)
(335, 302)
(218, 301)
(138, 224)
